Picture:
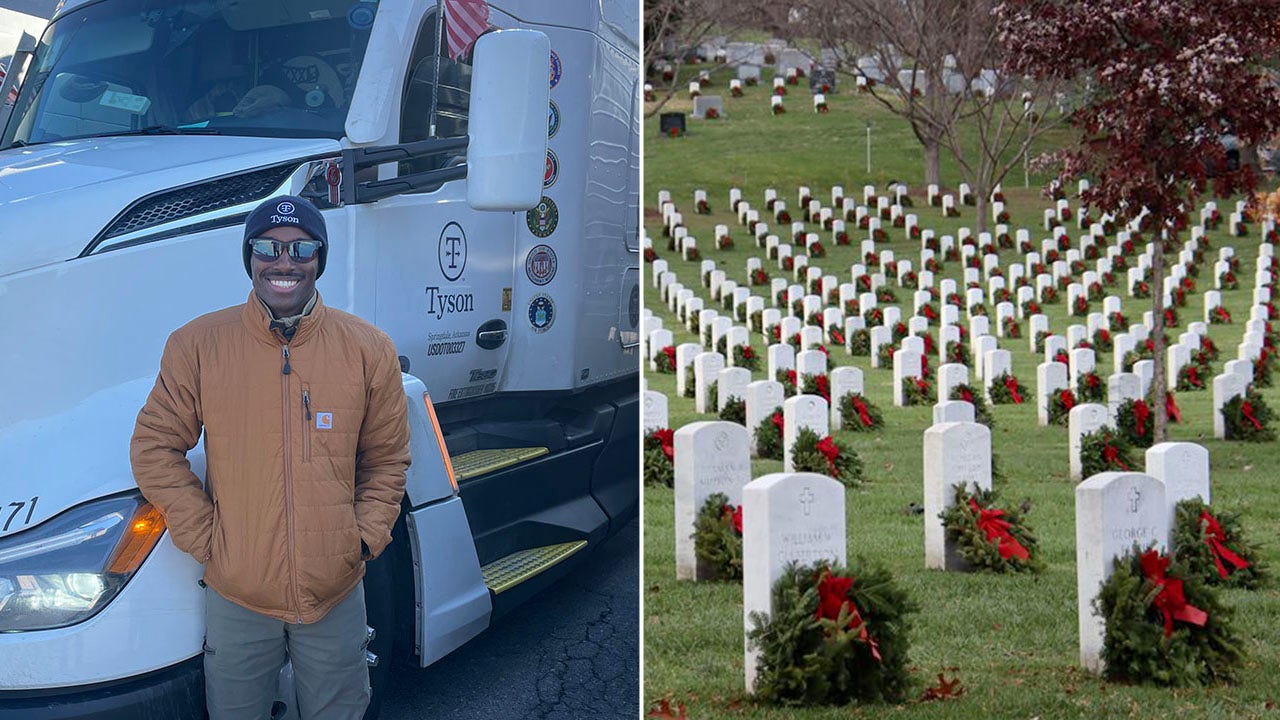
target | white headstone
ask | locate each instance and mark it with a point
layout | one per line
(1083, 419)
(1183, 467)
(710, 457)
(906, 363)
(706, 369)
(786, 517)
(1114, 511)
(685, 353)
(731, 383)
(952, 411)
(1225, 387)
(762, 399)
(802, 411)
(844, 380)
(954, 454)
(655, 411)
(1051, 378)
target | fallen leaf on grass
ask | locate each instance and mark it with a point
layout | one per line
(653, 619)
(1271, 705)
(664, 711)
(944, 690)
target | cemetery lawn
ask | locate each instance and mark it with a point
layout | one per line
(1010, 640)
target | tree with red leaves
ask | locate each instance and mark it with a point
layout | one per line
(1161, 82)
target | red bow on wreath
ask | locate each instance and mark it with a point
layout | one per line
(1112, 456)
(828, 448)
(1171, 408)
(734, 514)
(665, 438)
(1169, 601)
(861, 407)
(966, 396)
(1140, 414)
(824, 386)
(1068, 400)
(997, 531)
(833, 595)
(791, 377)
(670, 352)
(1246, 409)
(777, 421)
(1011, 383)
(837, 336)
(1216, 540)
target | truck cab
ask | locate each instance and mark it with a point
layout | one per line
(504, 267)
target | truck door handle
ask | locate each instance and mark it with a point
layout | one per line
(491, 334)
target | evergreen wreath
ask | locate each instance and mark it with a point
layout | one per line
(1191, 377)
(1104, 451)
(787, 378)
(958, 352)
(836, 635)
(1212, 546)
(1040, 338)
(1089, 387)
(744, 356)
(659, 456)
(860, 342)
(885, 355)
(989, 537)
(717, 539)
(1060, 405)
(859, 413)
(1262, 368)
(826, 456)
(666, 360)
(768, 435)
(1135, 420)
(1102, 341)
(916, 391)
(816, 385)
(713, 396)
(1248, 418)
(1005, 390)
(689, 381)
(734, 410)
(1012, 329)
(1164, 626)
(981, 413)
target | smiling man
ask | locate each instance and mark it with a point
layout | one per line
(307, 444)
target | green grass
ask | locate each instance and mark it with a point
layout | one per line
(1011, 640)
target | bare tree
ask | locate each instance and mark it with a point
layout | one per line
(675, 29)
(933, 63)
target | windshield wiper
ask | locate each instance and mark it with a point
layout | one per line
(156, 130)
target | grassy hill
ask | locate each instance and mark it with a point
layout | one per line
(1011, 640)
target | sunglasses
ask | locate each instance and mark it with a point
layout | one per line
(300, 251)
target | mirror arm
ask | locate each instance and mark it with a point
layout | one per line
(355, 159)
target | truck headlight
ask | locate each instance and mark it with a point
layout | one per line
(67, 569)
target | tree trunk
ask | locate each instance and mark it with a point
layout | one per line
(982, 207)
(1159, 385)
(932, 162)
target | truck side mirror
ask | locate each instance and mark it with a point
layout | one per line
(510, 92)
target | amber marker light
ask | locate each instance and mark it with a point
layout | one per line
(145, 528)
(444, 449)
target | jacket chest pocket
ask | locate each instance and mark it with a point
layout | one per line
(331, 417)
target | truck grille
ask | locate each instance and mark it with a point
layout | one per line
(171, 205)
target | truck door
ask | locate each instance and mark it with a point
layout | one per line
(444, 270)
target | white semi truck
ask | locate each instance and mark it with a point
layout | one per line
(503, 262)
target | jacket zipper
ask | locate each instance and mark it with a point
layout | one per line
(288, 485)
(306, 426)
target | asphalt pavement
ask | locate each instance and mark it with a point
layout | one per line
(570, 653)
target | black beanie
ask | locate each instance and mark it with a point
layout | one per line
(286, 211)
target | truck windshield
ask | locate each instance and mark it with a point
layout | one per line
(271, 68)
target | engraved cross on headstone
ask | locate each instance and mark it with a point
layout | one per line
(1135, 499)
(806, 499)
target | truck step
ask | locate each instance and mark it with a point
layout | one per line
(507, 572)
(481, 462)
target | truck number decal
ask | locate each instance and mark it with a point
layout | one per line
(17, 508)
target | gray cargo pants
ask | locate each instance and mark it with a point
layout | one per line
(244, 651)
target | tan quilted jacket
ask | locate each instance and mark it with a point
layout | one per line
(307, 446)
